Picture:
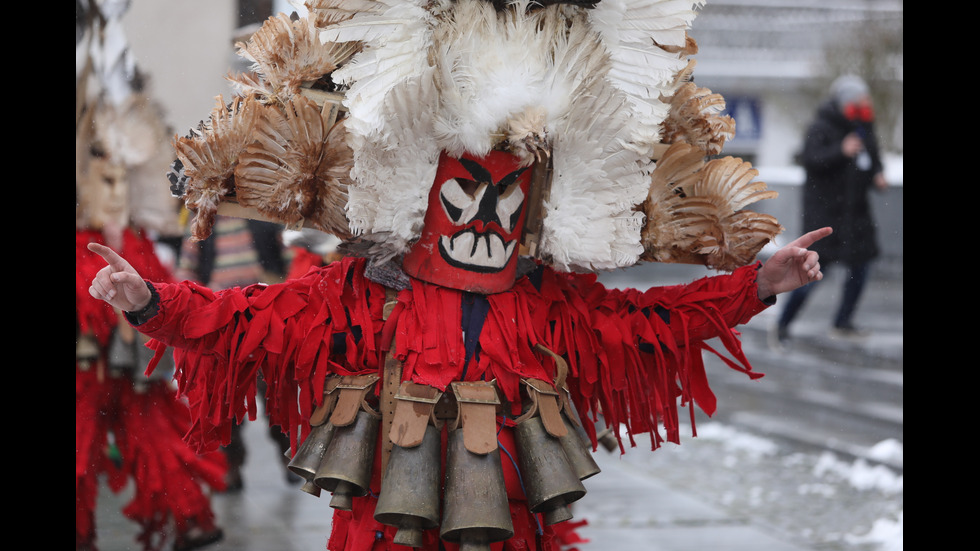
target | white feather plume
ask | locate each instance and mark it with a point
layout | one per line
(396, 35)
(590, 222)
(643, 38)
(386, 198)
(389, 109)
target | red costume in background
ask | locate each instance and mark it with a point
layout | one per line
(146, 421)
(631, 355)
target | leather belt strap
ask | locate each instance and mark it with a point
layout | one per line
(391, 380)
(545, 402)
(445, 409)
(322, 413)
(546, 399)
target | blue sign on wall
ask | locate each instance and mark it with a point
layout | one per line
(748, 118)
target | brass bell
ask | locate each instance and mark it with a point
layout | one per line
(347, 462)
(578, 451)
(549, 481)
(311, 488)
(574, 422)
(409, 497)
(309, 455)
(475, 510)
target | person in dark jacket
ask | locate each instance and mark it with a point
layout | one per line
(843, 165)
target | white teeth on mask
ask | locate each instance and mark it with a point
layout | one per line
(461, 243)
(497, 247)
(485, 250)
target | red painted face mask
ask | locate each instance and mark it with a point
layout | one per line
(473, 224)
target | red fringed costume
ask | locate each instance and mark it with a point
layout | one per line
(454, 138)
(631, 356)
(139, 417)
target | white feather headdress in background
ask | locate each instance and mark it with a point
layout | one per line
(119, 127)
(596, 90)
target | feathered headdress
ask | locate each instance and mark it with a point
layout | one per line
(595, 91)
(277, 147)
(120, 133)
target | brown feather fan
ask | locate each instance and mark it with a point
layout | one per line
(297, 169)
(286, 54)
(679, 164)
(695, 211)
(209, 158)
(695, 118)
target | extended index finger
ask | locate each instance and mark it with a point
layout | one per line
(116, 262)
(804, 241)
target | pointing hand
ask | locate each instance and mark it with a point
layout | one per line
(119, 283)
(792, 266)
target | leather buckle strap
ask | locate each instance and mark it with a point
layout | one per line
(414, 410)
(548, 399)
(545, 402)
(351, 397)
(477, 404)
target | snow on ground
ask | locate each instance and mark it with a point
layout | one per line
(818, 499)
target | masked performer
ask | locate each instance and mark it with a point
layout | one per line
(444, 379)
(129, 427)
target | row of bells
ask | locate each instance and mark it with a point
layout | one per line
(475, 510)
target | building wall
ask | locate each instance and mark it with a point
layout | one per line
(185, 46)
(783, 54)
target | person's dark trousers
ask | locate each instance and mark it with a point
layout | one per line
(857, 277)
(235, 452)
(793, 305)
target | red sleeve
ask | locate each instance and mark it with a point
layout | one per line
(706, 308)
(223, 340)
(648, 348)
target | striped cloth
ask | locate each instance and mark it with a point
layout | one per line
(236, 260)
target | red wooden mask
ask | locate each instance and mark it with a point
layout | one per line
(473, 224)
